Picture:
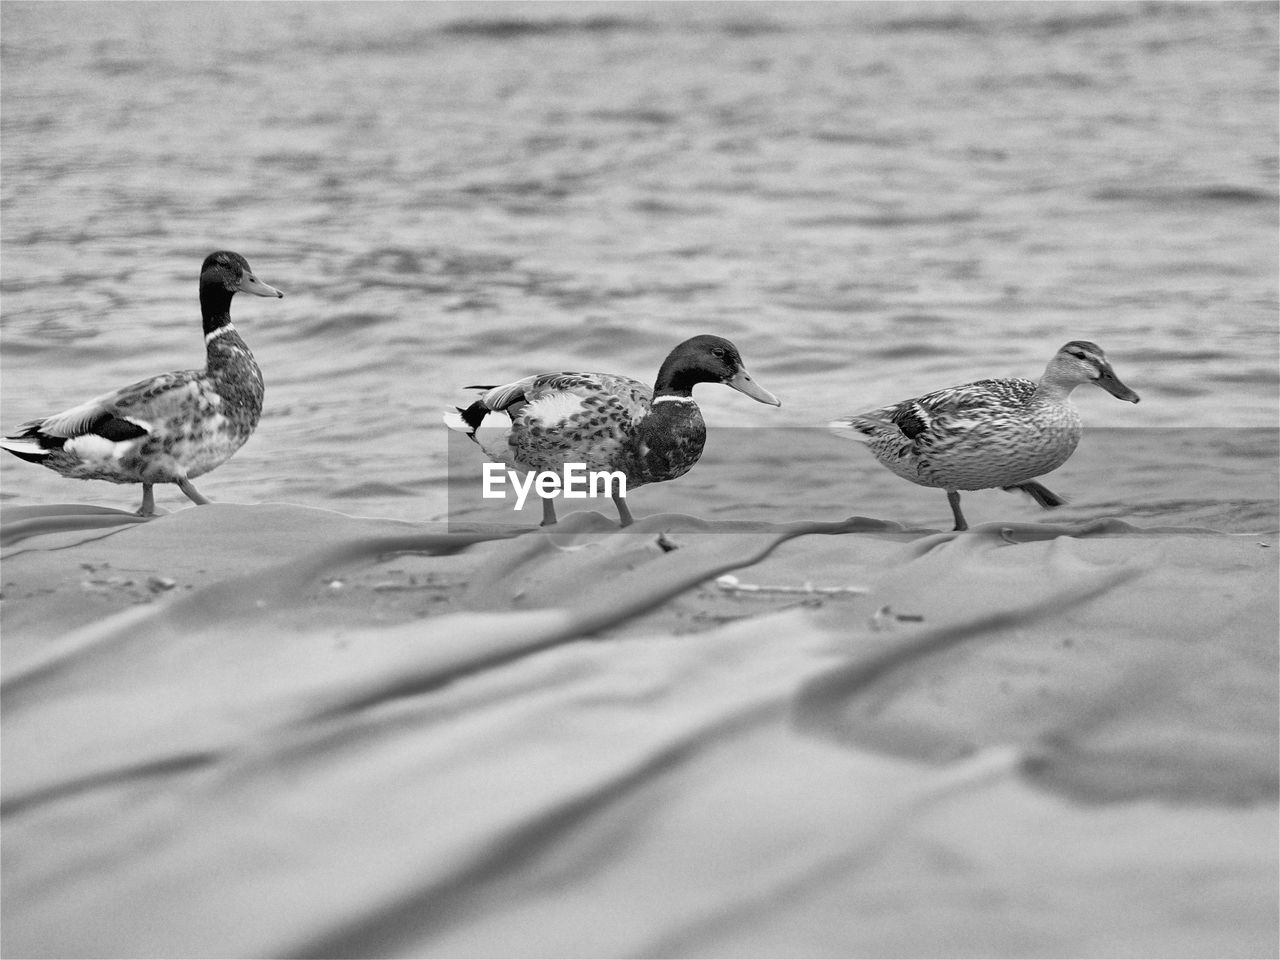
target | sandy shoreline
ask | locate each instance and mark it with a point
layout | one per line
(1029, 740)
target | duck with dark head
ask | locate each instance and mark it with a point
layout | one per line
(610, 422)
(169, 428)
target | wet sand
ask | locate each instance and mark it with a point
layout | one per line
(276, 730)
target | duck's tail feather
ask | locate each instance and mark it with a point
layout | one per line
(862, 428)
(28, 448)
(466, 419)
(473, 415)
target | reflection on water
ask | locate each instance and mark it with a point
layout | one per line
(870, 200)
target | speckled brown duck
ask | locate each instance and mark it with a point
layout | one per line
(990, 433)
(610, 422)
(170, 428)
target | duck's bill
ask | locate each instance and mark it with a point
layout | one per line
(742, 382)
(1111, 383)
(251, 284)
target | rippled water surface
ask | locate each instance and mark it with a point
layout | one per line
(870, 200)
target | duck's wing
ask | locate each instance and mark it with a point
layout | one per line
(510, 398)
(553, 401)
(507, 395)
(956, 409)
(943, 412)
(123, 414)
(548, 399)
(546, 410)
(584, 418)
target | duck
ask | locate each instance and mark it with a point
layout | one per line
(990, 433)
(168, 428)
(610, 422)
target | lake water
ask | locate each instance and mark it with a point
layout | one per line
(870, 200)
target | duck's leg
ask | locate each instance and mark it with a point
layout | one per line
(148, 508)
(1039, 493)
(187, 487)
(624, 514)
(548, 512)
(953, 498)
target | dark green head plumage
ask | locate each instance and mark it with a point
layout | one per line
(707, 359)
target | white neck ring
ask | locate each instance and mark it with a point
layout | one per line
(213, 335)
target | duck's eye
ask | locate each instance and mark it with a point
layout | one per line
(1077, 354)
(718, 352)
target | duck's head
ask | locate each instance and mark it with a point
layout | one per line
(1083, 362)
(708, 359)
(231, 272)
